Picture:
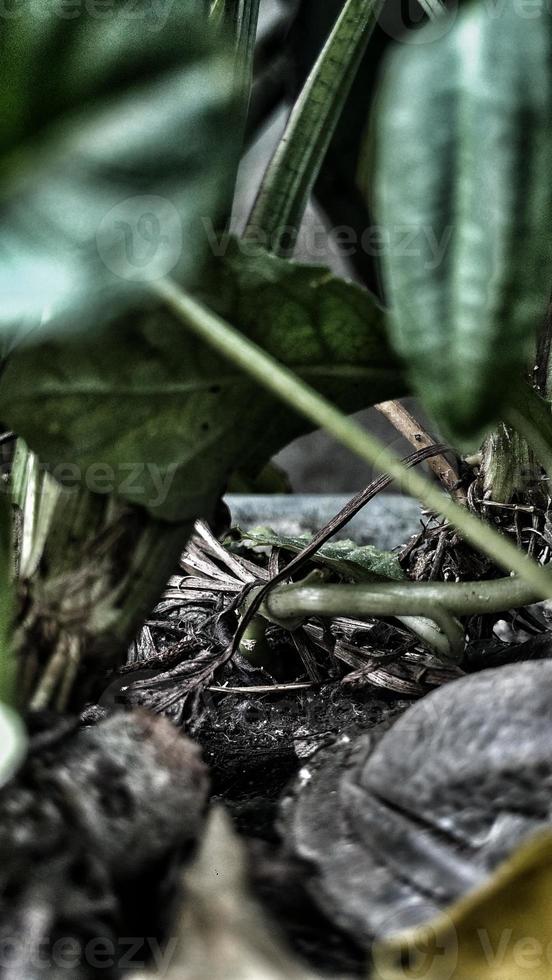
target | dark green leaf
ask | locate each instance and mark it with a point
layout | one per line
(116, 145)
(337, 189)
(169, 419)
(294, 168)
(347, 559)
(464, 157)
(272, 479)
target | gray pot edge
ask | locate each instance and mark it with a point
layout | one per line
(387, 521)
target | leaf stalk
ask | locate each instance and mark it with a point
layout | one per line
(291, 389)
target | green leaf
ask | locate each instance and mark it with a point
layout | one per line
(272, 479)
(336, 188)
(148, 411)
(243, 18)
(116, 145)
(293, 170)
(347, 559)
(464, 156)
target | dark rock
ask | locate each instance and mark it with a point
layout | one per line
(89, 831)
(395, 824)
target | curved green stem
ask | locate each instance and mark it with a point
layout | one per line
(292, 390)
(399, 599)
(293, 170)
(253, 645)
(438, 630)
(441, 631)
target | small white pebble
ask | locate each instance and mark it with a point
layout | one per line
(13, 742)
(305, 776)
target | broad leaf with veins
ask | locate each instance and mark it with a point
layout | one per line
(148, 395)
(351, 561)
(463, 155)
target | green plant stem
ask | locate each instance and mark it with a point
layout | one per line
(89, 567)
(244, 18)
(293, 170)
(438, 629)
(443, 634)
(397, 598)
(293, 391)
(507, 465)
(531, 416)
(253, 645)
(8, 665)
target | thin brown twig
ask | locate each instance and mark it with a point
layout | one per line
(410, 428)
(331, 528)
(71, 670)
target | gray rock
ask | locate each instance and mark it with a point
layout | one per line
(398, 823)
(89, 829)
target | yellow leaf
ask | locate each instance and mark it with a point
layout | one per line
(501, 931)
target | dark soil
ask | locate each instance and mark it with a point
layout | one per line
(255, 745)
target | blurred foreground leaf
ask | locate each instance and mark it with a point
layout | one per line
(116, 145)
(150, 413)
(222, 933)
(462, 186)
(499, 932)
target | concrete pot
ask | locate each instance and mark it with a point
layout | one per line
(386, 521)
